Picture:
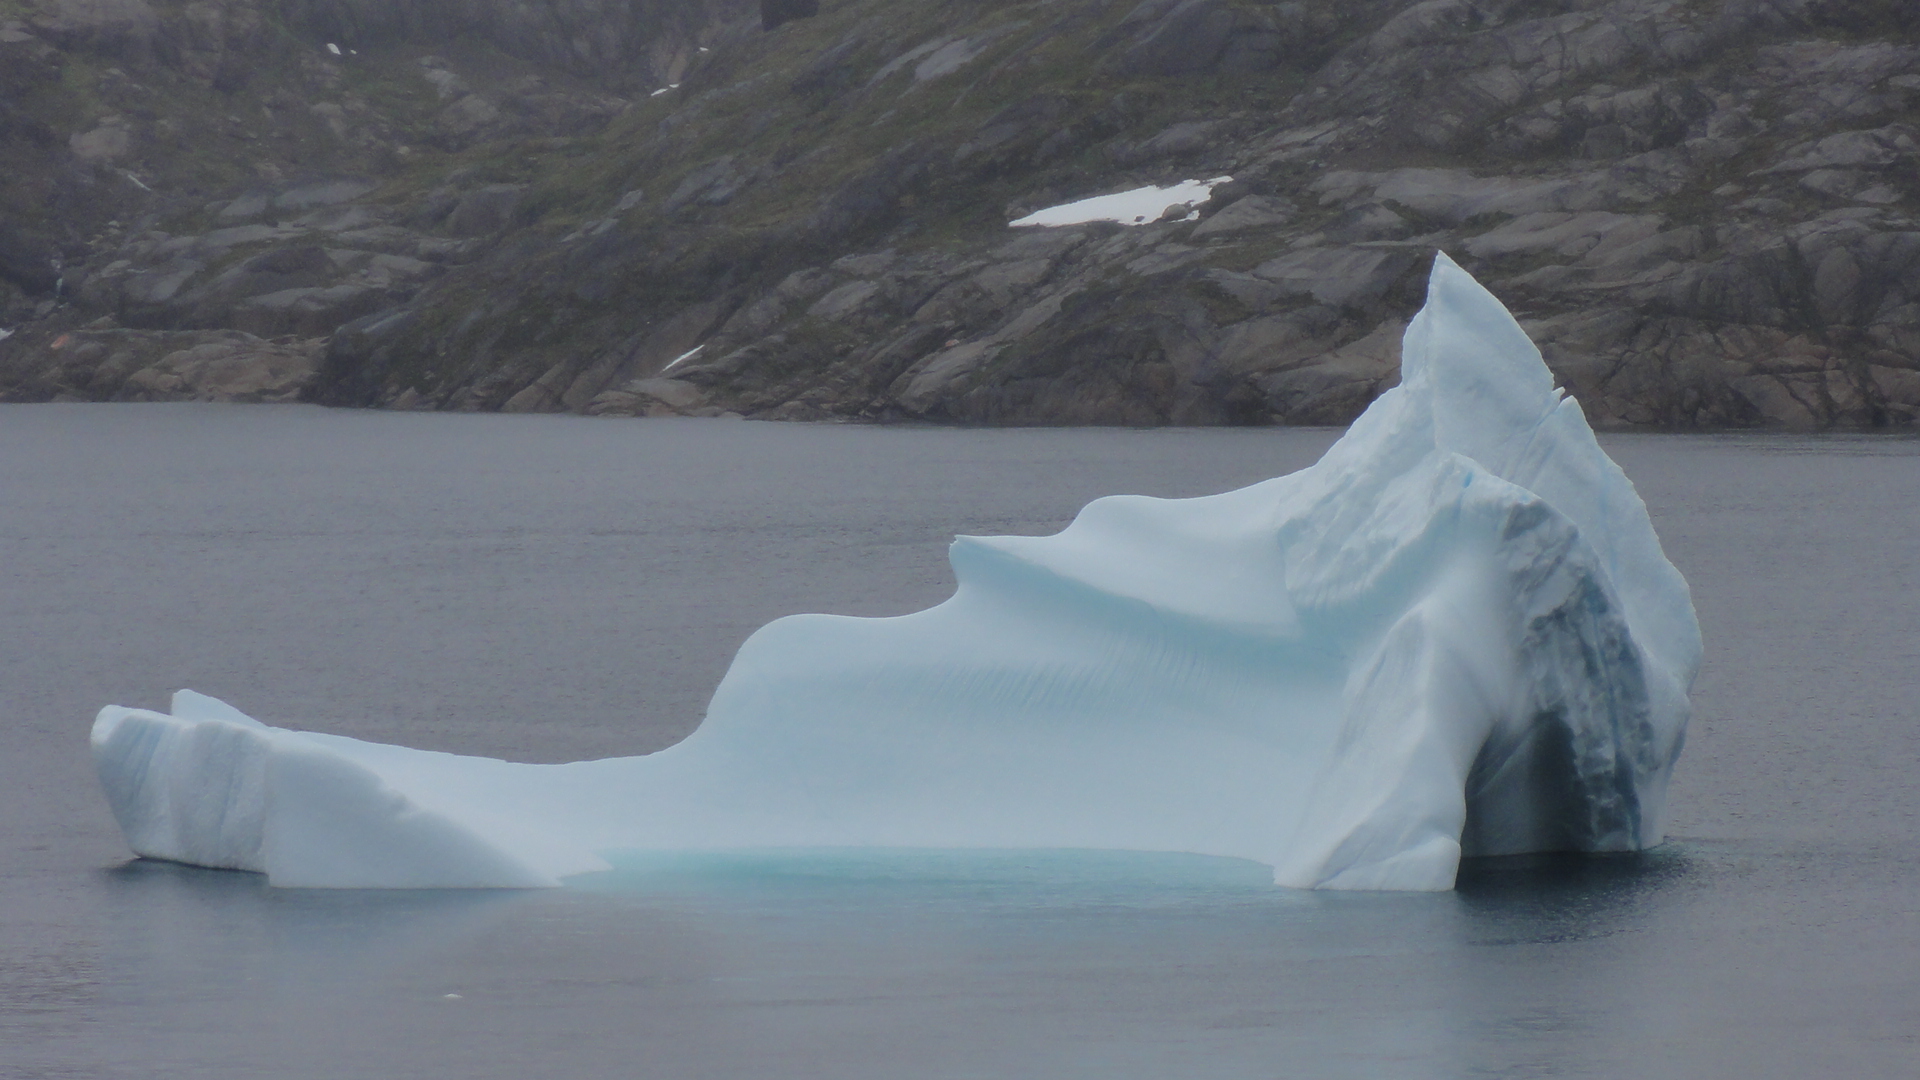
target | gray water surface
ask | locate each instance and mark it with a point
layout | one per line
(551, 588)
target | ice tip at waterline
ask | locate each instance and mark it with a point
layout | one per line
(1456, 634)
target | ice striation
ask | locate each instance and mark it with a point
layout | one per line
(1454, 635)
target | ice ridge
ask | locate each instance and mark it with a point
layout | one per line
(1456, 634)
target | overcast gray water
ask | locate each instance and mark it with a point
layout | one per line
(552, 588)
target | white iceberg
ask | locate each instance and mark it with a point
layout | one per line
(1455, 634)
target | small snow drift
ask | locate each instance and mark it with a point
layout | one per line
(1455, 634)
(1136, 207)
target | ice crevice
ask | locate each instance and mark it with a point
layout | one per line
(1456, 634)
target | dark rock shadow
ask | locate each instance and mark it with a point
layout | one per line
(1567, 896)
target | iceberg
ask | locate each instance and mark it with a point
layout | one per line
(1454, 635)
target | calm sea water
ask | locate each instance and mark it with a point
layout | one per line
(551, 588)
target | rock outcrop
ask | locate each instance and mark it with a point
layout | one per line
(127, 365)
(1709, 215)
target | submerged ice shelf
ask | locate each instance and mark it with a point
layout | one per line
(1456, 634)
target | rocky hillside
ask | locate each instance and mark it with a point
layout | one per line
(1708, 211)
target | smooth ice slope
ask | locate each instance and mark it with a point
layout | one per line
(1456, 633)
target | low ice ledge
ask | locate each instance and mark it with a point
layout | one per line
(209, 786)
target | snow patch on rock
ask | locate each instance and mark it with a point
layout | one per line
(1136, 207)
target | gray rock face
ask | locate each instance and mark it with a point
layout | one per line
(778, 12)
(1201, 35)
(1699, 238)
(634, 45)
(126, 365)
(1250, 214)
(304, 276)
(484, 210)
(1185, 38)
(1709, 216)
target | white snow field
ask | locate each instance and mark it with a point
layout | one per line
(1136, 207)
(1454, 634)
